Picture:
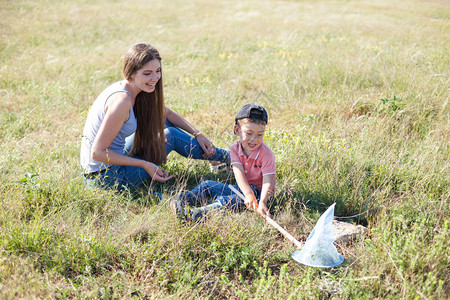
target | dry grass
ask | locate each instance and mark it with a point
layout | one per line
(357, 94)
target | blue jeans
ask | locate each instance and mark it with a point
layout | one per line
(126, 177)
(223, 198)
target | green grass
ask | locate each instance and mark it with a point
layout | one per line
(357, 94)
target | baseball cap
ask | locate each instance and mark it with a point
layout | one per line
(252, 111)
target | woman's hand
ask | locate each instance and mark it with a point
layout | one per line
(263, 210)
(157, 173)
(177, 120)
(206, 145)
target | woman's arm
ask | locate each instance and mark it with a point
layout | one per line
(180, 122)
(116, 113)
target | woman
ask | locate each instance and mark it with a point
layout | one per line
(129, 131)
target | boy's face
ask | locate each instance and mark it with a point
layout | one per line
(251, 135)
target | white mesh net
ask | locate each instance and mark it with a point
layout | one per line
(319, 250)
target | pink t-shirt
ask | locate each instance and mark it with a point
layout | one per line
(261, 162)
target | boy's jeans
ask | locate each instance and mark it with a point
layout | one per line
(131, 177)
(224, 198)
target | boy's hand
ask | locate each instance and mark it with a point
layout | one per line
(263, 210)
(251, 202)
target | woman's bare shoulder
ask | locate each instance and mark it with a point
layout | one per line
(120, 101)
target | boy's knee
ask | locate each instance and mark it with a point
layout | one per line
(209, 182)
(206, 184)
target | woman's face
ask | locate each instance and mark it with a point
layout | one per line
(148, 76)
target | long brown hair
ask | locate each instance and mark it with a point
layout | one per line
(148, 107)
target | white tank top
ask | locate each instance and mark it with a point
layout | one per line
(94, 120)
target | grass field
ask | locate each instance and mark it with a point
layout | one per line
(357, 94)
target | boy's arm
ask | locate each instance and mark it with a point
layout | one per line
(250, 199)
(267, 191)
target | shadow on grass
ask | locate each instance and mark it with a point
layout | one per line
(152, 192)
(313, 201)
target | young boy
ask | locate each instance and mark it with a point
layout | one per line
(253, 165)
